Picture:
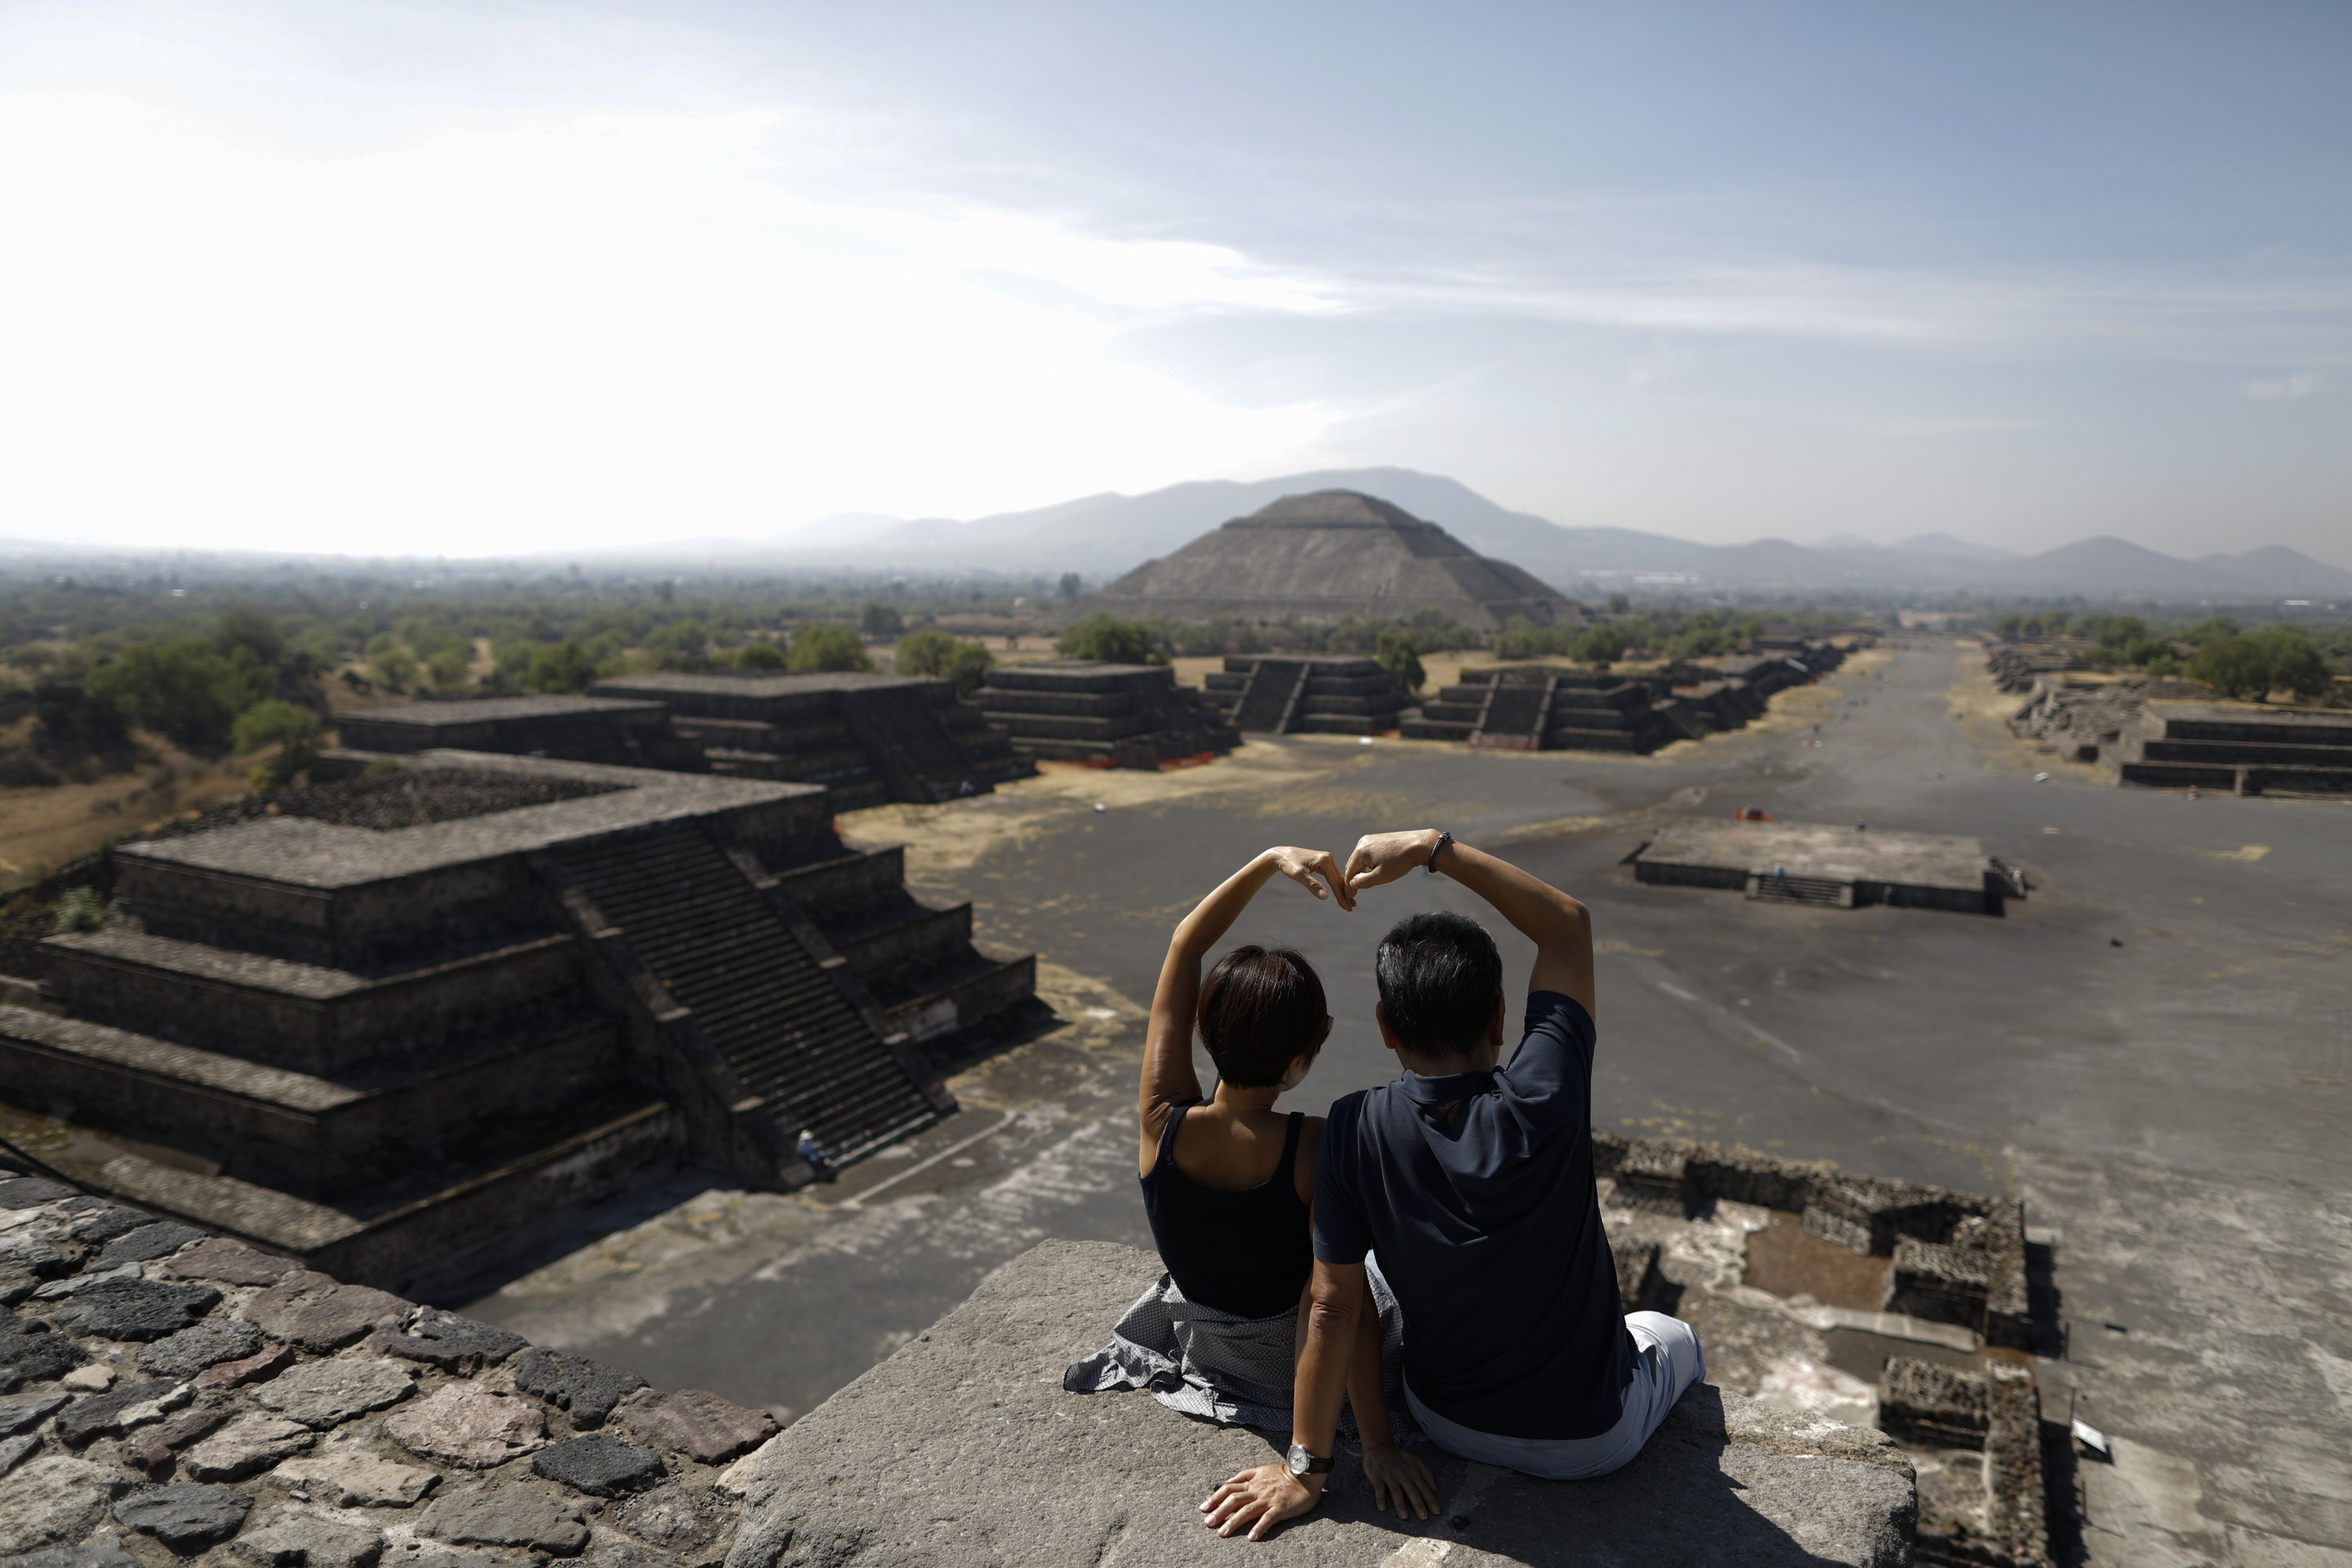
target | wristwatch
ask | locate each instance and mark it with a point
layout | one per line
(1443, 838)
(1303, 1463)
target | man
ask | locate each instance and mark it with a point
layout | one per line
(1473, 1185)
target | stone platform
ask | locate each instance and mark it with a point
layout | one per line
(868, 739)
(1313, 694)
(1831, 865)
(573, 728)
(381, 1047)
(2233, 750)
(964, 1449)
(1127, 715)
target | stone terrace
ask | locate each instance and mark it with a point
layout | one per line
(378, 1049)
(865, 738)
(166, 1395)
(573, 729)
(1126, 715)
(1821, 863)
(1313, 694)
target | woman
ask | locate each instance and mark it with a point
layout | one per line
(1228, 1184)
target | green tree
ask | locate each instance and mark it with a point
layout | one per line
(185, 690)
(248, 628)
(968, 669)
(827, 649)
(1619, 604)
(70, 714)
(267, 724)
(1103, 636)
(2296, 664)
(1069, 586)
(448, 669)
(925, 652)
(759, 656)
(2212, 629)
(1399, 653)
(566, 667)
(880, 621)
(1603, 644)
(2255, 664)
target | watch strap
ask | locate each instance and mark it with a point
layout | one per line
(1316, 1464)
(1443, 838)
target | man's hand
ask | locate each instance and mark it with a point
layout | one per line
(1261, 1498)
(1303, 866)
(1384, 856)
(1400, 1477)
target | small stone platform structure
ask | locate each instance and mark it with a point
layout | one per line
(571, 729)
(1310, 694)
(2235, 751)
(1332, 554)
(868, 739)
(963, 1449)
(169, 1396)
(1543, 707)
(1837, 866)
(1127, 715)
(378, 1046)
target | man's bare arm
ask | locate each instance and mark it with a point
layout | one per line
(1259, 1499)
(1559, 926)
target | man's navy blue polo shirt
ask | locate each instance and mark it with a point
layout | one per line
(1476, 1190)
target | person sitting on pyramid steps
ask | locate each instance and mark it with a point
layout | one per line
(1228, 1186)
(1473, 1185)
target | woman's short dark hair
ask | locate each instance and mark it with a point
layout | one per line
(1260, 1007)
(1440, 977)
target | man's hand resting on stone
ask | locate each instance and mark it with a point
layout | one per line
(1260, 1499)
(1400, 1477)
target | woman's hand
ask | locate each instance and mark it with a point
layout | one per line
(1400, 1477)
(1260, 1499)
(1303, 866)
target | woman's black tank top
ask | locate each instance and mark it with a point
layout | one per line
(1248, 1253)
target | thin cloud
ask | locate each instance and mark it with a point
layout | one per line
(2280, 389)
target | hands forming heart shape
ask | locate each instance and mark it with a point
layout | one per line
(1378, 858)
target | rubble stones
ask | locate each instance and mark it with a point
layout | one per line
(450, 1341)
(183, 1515)
(98, 1222)
(230, 1263)
(148, 1243)
(323, 1394)
(465, 1424)
(318, 1313)
(30, 1351)
(296, 1538)
(586, 1389)
(52, 1502)
(27, 1411)
(104, 1415)
(266, 1362)
(598, 1465)
(132, 1308)
(673, 1517)
(105, 1552)
(153, 1447)
(28, 1253)
(204, 1345)
(245, 1446)
(94, 1378)
(701, 1425)
(15, 1451)
(507, 1516)
(353, 1477)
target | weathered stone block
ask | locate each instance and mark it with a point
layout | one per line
(152, 1448)
(587, 1389)
(126, 1308)
(598, 1465)
(353, 1477)
(28, 1410)
(507, 1516)
(323, 1394)
(700, 1425)
(104, 1415)
(193, 1349)
(148, 1242)
(231, 1263)
(185, 1516)
(449, 1341)
(31, 1352)
(246, 1447)
(465, 1424)
(318, 1313)
(298, 1538)
(105, 1552)
(264, 1363)
(53, 1500)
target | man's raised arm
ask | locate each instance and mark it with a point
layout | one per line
(1559, 926)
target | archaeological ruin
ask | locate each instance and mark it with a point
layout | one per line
(1306, 694)
(1330, 554)
(1542, 708)
(1122, 715)
(377, 1022)
(2143, 732)
(1840, 866)
(617, 732)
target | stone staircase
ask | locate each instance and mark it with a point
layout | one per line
(2236, 751)
(1128, 715)
(1270, 696)
(1515, 716)
(1541, 708)
(721, 967)
(1283, 694)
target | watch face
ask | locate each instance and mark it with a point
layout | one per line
(1299, 1459)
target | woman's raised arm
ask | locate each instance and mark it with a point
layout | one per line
(1168, 1077)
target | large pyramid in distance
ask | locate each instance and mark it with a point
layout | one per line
(1329, 554)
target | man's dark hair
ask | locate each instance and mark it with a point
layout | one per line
(1260, 1007)
(1440, 976)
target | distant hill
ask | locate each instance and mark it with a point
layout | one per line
(1104, 536)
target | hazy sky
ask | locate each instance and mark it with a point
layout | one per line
(480, 278)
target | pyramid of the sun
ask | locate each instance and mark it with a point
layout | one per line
(1329, 554)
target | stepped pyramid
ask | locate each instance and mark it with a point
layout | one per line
(1329, 554)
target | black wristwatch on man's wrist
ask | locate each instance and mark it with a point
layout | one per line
(1303, 1462)
(1443, 838)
